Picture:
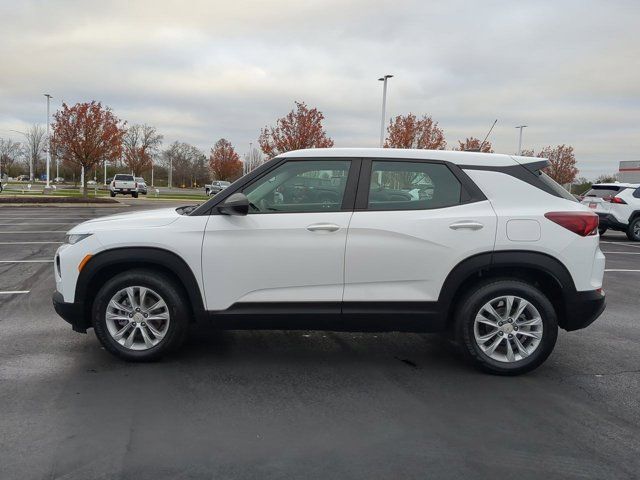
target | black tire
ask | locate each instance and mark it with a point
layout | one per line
(633, 230)
(113, 194)
(470, 306)
(174, 298)
(602, 230)
(134, 195)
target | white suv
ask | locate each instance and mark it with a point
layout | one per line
(617, 205)
(483, 247)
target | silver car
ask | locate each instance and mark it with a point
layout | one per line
(142, 185)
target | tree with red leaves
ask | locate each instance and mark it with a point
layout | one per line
(411, 132)
(140, 142)
(301, 128)
(87, 134)
(224, 162)
(563, 163)
(472, 144)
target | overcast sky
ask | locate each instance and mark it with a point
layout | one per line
(202, 70)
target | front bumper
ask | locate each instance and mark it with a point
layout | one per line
(607, 220)
(72, 313)
(582, 309)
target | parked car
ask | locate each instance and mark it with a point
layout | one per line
(617, 205)
(123, 184)
(216, 187)
(22, 178)
(91, 183)
(142, 185)
(58, 180)
(497, 254)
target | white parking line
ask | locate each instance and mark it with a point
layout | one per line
(26, 261)
(29, 243)
(623, 253)
(622, 243)
(14, 292)
(619, 270)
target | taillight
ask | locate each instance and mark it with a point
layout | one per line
(618, 200)
(582, 223)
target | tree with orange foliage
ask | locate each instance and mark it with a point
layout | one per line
(563, 163)
(140, 142)
(300, 128)
(224, 162)
(411, 132)
(473, 144)
(87, 134)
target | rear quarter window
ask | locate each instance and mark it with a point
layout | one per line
(124, 178)
(556, 187)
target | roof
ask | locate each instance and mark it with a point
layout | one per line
(453, 156)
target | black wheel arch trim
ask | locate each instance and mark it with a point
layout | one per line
(134, 257)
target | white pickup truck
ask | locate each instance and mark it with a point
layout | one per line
(124, 184)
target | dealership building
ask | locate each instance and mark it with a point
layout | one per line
(629, 171)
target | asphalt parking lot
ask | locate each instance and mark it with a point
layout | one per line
(270, 405)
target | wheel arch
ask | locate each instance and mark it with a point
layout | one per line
(544, 271)
(110, 262)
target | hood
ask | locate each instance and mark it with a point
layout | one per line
(144, 219)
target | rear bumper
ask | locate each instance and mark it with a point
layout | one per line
(607, 220)
(70, 312)
(582, 309)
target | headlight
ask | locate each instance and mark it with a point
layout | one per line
(76, 237)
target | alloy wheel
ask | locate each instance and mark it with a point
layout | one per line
(137, 318)
(508, 328)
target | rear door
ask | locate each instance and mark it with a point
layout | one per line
(414, 221)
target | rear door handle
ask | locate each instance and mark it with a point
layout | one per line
(466, 225)
(323, 227)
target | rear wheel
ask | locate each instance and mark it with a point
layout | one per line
(134, 195)
(113, 194)
(506, 327)
(633, 230)
(140, 315)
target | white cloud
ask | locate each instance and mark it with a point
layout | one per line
(201, 70)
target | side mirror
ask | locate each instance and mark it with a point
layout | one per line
(236, 204)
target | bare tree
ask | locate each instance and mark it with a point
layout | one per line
(252, 160)
(35, 139)
(141, 143)
(186, 162)
(10, 152)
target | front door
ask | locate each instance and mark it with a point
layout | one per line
(290, 247)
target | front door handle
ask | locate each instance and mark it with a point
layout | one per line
(323, 227)
(466, 225)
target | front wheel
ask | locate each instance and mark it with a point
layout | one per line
(506, 327)
(113, 194)
(633, 231)
(140, 315)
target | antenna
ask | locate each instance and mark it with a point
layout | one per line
(488, 133)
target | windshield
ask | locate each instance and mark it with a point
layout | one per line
(603, 191)
(556, 187)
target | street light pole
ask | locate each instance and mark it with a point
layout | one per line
(384, 106)
(49, 97)
(520, 127)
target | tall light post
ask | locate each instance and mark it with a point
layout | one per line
(384, 106)
(520, 127)
(49, 97)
